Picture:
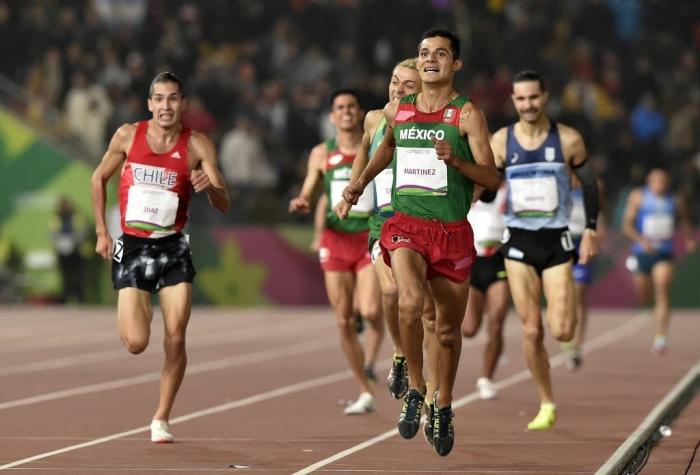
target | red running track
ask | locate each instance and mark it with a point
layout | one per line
(264, 389)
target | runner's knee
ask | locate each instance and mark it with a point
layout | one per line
(564, 330)
(533, 333)
(469, 329)
(371, 312)
(563, 334)
(175, 341)
(428, 324)
(346, 326)
(389, 292)
(410, 309)
(135, 344)
(495, 330)
(448, 335)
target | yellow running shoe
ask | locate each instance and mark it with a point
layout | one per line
(545, 418)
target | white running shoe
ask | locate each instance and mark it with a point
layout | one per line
(486, 388)
(363, 405)
(660, 344)
(160, 432)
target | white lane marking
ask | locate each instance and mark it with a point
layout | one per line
(279, 392)
(194, 369)
(58, 341)
(71, 336)
(283, 391)
(204, 340)
(600, 341)
(248, 358)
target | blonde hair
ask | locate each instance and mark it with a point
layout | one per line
(410, 63)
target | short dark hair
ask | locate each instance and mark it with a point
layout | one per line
(166, 76)
(454, 39)
(341, 91)
(529, 75)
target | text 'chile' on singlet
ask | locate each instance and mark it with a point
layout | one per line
(539, 186)
(335, 179)
(425, 186)
(155, 188)
(656, 221)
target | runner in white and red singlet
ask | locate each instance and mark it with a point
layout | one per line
(161, 162)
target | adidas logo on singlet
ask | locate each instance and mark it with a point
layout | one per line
(175, 154)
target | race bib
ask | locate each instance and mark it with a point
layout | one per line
(534, 196)
(658, 227)
(383, 183)
(364, 206)
(151, 208)
(420, 173)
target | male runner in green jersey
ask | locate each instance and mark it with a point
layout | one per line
(343, 250)
(404, 81)
(441, 146)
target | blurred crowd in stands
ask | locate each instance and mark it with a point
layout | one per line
(257, 73)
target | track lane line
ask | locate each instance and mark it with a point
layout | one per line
(233, 336)
(248, 358)
(593, 344)
(279, 392)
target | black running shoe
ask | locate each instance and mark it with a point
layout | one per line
(443, 430)
(409, 420)
(369, 372)
(428, 423)
(398, 378)
(359, 323)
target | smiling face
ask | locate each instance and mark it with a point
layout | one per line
(529, 100)
(167, 104)
(404, 81)
(346, 112)
(436, 62)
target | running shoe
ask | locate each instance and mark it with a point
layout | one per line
(443, 430)
(369, 372)
(363, 405)
(486, 389)
(428, 423)
(660, 344)
(545, 418)
(160, 432)
(398, 377)
(409, 420)
(574, 358)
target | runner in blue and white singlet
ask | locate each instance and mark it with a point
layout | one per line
(651, 217)
(539, 187)
(538, 157)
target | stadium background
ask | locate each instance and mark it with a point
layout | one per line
(624, 72)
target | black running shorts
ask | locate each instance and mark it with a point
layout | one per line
(541, 249)
(486, 271)
(151, 264)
